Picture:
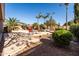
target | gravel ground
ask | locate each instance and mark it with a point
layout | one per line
(12, 38)
(49, 49)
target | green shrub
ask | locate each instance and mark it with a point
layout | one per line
(75, 30)
(62, 37)
(59, 28)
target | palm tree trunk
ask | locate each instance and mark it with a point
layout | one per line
(38, 24)
(45, 22)
(74, 13)
(66, 17)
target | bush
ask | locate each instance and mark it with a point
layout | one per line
(75, 30)
(59, 28)
(62, 37)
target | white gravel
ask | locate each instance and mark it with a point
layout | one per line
(16, 41)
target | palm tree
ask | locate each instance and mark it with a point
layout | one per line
(66, 5)
(45, 17)
(11, 23)
(38, 17)
(51, 22)
(53, 13)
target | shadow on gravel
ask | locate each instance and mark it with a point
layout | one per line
(47, 48)
(2, 44)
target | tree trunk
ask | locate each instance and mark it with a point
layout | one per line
(66, 17)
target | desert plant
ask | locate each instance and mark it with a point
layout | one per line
(62, 37)
(75, 30)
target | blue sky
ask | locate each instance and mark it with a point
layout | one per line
(26, 12)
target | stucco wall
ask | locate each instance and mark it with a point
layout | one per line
(1, 17)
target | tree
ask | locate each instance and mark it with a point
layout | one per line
(66, 5)
(42, 26)
(38, 17)
(69, 23)
(51, 22)
(11, 23)
(35, 25)
(45, 16)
